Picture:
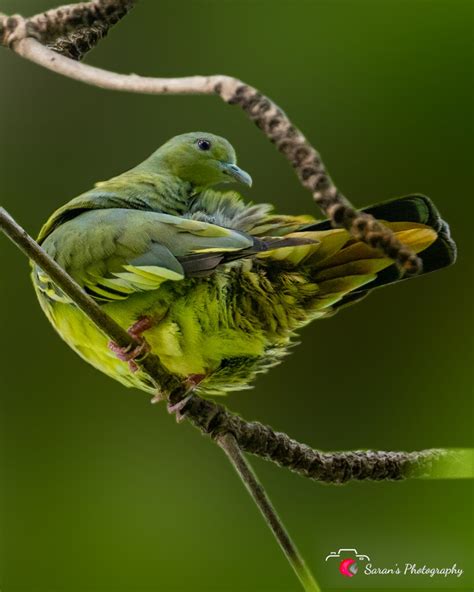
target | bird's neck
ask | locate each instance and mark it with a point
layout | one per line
(141, 189)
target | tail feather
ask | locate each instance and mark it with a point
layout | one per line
(406, 213)
(418, 208)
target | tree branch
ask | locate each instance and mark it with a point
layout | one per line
(70, 32)
(95, 18)
(230, 446)
(25, 37)
(169, 388)
(214, 420)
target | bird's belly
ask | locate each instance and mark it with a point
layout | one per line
(190, 335)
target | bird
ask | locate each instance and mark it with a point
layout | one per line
(217, 287)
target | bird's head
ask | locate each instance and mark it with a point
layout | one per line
(201, 159)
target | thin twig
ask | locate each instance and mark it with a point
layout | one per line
(25, 37)
(214, 420)
(25, 40)
(72, 31)
(149, 363)
(229, 444)
(152, 366)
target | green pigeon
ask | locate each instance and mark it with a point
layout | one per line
(215, 286)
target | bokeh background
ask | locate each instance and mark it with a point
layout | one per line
(99, 491)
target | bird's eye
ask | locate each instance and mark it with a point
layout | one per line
(204, 144)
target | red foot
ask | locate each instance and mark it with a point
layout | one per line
(129, 354)
(178, 407)
(191, 383)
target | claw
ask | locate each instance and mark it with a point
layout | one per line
(178, 407)
(157, 398)
(130, 354)
(191, 383)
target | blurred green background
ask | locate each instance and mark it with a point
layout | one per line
(99, 491)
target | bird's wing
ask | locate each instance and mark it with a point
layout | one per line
(114, 253)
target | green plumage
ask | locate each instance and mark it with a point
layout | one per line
(224, 284)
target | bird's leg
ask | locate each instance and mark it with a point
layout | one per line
(130, 354)
(140, 326)
(191, 383)
(193, 380)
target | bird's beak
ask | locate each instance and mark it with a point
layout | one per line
(236, 173)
